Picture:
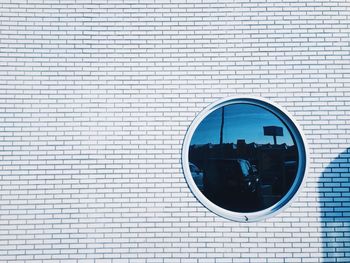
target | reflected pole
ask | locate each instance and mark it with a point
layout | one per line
(222, 125)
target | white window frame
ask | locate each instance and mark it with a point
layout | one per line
(300, 142)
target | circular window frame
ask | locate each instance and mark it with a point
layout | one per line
(300, 142)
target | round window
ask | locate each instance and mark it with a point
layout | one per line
(244, 158)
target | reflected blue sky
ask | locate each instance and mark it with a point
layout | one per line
(242, 121)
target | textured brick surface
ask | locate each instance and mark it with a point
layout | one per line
(95, 101)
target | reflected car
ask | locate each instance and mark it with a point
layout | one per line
(229, 177)
(291, 168)
(197, 176)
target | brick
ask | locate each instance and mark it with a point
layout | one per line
(95, 101)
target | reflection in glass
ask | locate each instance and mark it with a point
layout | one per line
(243, 158)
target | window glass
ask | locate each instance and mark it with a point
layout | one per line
(245, 168)
(243, 157)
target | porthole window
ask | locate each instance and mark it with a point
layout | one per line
(244, 158)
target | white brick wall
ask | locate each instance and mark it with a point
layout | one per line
(95, 100)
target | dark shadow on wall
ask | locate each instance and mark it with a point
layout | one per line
(335, 209)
